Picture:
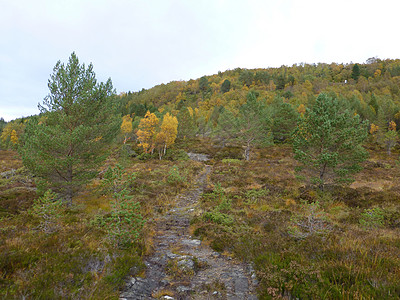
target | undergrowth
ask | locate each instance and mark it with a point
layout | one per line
(86, 251)
(343, 243)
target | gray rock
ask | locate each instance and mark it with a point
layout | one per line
(191, 242)
(198, 156)
(183, 289)
(186, 264)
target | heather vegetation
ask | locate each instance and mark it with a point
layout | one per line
(304, 161)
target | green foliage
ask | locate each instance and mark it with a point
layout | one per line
(232, 161)
(218, 217)
(220, 213)
(176, 155)
(68, 142)
(250, 128)
(225, 86)
(284, 120)
(372, 218)
(174, 176)
(355, 73)
(203, 84)
(254, 196)
(246, 77)
(124, 223)
(390, 140)
(48, 209)
(186, 124)
(328, 142)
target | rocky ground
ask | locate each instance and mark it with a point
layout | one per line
(184, 268)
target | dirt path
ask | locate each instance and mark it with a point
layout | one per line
(184, 268)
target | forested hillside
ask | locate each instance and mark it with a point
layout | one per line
(371, 89)
(300, 184)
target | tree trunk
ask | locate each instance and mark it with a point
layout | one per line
(389, 149)
(68, 187)
(247, 152)
(321, 177)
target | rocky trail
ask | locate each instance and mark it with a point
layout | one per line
(184, 268)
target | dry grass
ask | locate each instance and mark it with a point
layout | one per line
(344, 261)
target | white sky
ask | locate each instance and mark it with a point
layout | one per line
(143, 43)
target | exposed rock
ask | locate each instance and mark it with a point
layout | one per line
(198, 156)
(211, 276)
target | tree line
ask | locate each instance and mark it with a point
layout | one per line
(66, 144)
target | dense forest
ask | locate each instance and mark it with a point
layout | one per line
(304, 162)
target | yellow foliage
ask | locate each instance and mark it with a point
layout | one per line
(392, 126)
(308, 85)
(147, 131)
(301, 109)
(374, 128)
(377, 73)
(11, 132)
(126, 126)
(190, 111)
(14, 137)
(167, 134)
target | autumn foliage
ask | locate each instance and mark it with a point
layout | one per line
(147, 132)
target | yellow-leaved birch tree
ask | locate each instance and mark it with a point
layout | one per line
(147, 132)
(126, 126)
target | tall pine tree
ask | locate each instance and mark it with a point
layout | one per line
(66, 145)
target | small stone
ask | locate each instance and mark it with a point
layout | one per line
(182, 289)
(186, 263)
(167, 298)
(133, 280)
(191, 242)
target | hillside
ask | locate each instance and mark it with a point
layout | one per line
(298, 196)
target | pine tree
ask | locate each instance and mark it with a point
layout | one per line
(284, 120)
(355, 74)
(226, 86)
(186, 126)
(68, 143)
(328, 142)
(250, 128)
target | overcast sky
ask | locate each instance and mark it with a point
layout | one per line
(143, 43)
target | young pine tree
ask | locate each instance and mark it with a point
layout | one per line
(250, 128)
(328, 142)
(66, 145)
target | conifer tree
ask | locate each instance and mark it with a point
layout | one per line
(328, 142)
(355, 74)
(186, 125)
(284, 120)
(250, 128)
(68, 143)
